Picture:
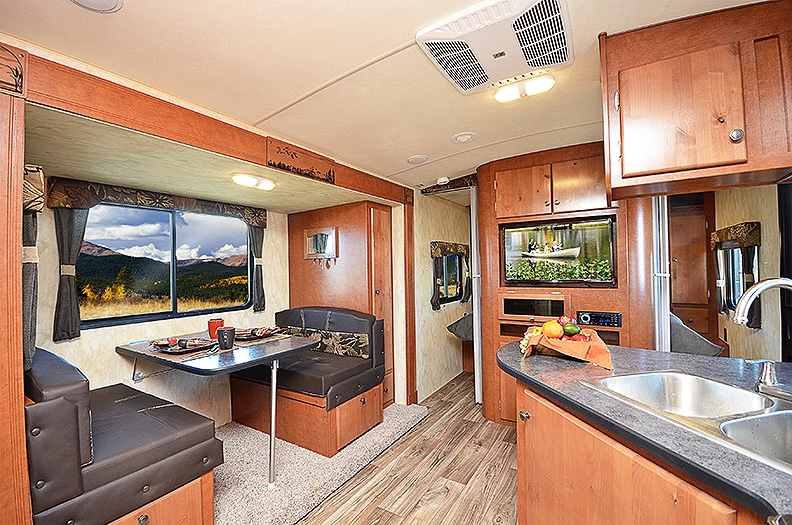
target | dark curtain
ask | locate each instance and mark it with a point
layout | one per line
(256, 240)
(69, 230)
(29, 285)
(755, 311)
(438, 271)
(467, 290)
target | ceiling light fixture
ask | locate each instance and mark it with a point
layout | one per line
(417, 159)
(100, 6)
(465, 136)
(442, 181)
(253, 181)
(527, 88)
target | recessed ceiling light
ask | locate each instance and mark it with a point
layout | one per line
(417, 159)
(526, 88)
(100, 6)
(253, 181)
(465, 136)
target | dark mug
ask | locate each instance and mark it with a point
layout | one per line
(225, 337)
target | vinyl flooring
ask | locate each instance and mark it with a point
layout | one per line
(455, 467)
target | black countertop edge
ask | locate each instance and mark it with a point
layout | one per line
(725, 486)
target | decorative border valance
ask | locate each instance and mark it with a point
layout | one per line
(76, 194)
(740, 235)
(33, 188)
(440, 248)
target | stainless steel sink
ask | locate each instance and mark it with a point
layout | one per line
(769, 434)
(685, 395)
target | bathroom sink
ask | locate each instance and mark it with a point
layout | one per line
(684, 394)
(769, 434)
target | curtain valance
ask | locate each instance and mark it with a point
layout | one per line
(77, 194)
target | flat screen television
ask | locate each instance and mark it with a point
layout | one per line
(568, 253)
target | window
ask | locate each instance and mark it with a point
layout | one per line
(449, 282)
(140, 263)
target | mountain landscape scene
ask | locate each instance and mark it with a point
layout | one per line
(112, 284)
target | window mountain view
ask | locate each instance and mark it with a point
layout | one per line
(109, 280)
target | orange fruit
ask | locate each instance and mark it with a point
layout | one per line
(552, 329)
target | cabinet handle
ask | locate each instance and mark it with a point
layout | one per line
(524, 415)
(736, 135)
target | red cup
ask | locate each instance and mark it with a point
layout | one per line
(214, 324)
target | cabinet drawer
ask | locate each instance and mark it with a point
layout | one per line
(696, 318)
(358, 415)
(387, 389)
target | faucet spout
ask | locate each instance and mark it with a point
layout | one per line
(750, 295)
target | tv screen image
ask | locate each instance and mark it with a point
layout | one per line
(571, 252)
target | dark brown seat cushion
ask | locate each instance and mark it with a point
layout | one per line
(132, 430)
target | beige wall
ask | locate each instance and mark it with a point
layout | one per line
(94, 351)
(438, 352)
(755, 204)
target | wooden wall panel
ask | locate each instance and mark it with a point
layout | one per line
(15, 502)
(344, 282)
(62, 87)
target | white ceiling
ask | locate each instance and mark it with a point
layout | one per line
(343, 78)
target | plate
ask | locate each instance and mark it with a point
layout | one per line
(252, 334)
(183, 346)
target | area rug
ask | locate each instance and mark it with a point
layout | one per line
(303, 478)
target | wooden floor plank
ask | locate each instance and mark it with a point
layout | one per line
(455, 467)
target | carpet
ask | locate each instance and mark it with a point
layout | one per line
(303, 478)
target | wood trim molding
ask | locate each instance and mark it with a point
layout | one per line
(59, 86)
(409, 302)
(15, 503)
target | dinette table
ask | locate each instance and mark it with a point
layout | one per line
(212, 361)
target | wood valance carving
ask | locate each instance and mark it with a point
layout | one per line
(13, 66)
(288, 157)
(739, 235)
(67, 193)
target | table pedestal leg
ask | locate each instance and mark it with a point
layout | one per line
(273, 396)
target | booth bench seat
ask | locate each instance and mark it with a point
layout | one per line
(326, 397)
(98, 455)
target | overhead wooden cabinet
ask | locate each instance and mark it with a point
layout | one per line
(561, 187)
(571, 473)
(699, 103)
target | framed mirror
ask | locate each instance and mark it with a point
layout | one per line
(321, 243)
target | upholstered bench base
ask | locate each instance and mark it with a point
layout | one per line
(304, 419)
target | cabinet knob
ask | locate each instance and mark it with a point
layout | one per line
(143, 519)
(721, 120)
(675, 259)
(556, 202)
(547, 203)
(363, 400)
(736, 135)
(524, 415)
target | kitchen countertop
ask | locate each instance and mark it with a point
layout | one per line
(762, 488)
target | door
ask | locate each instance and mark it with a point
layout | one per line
(683, 113)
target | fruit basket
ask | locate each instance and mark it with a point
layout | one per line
(562, 337)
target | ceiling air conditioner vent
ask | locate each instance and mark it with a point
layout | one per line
(498, 42)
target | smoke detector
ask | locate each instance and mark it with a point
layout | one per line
(498, 42)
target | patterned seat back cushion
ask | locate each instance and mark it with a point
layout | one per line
(340, 343)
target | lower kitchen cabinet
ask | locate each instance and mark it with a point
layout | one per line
(571, 473)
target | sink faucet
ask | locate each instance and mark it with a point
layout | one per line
(750, 295)
(768, 384)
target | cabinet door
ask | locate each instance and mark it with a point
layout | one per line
(524, 191)
(507, 386)
(570, 473)
(689, 245)
(678, 113)
(579, 185)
